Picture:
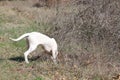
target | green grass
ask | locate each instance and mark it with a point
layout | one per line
(39, 78)
(15, 69)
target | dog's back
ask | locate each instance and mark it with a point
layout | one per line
(39, 38)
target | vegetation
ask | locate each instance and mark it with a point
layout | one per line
(87, 32)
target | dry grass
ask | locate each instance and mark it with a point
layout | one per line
(88, 40)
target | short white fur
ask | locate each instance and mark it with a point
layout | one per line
(35, 39)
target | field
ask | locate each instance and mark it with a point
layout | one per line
(88, 41)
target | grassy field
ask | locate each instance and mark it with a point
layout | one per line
(76, 61)
(15, 21)
(12, 65)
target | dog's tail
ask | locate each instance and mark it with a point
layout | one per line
(21, 37)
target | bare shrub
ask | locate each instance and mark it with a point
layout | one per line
(90, 26)
(92, 22)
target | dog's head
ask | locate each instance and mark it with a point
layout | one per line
(54, 43)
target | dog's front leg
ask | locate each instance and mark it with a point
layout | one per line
(54, 57)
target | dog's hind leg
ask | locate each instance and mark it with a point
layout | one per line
(31, 49)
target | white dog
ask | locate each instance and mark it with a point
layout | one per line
(35, 39)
